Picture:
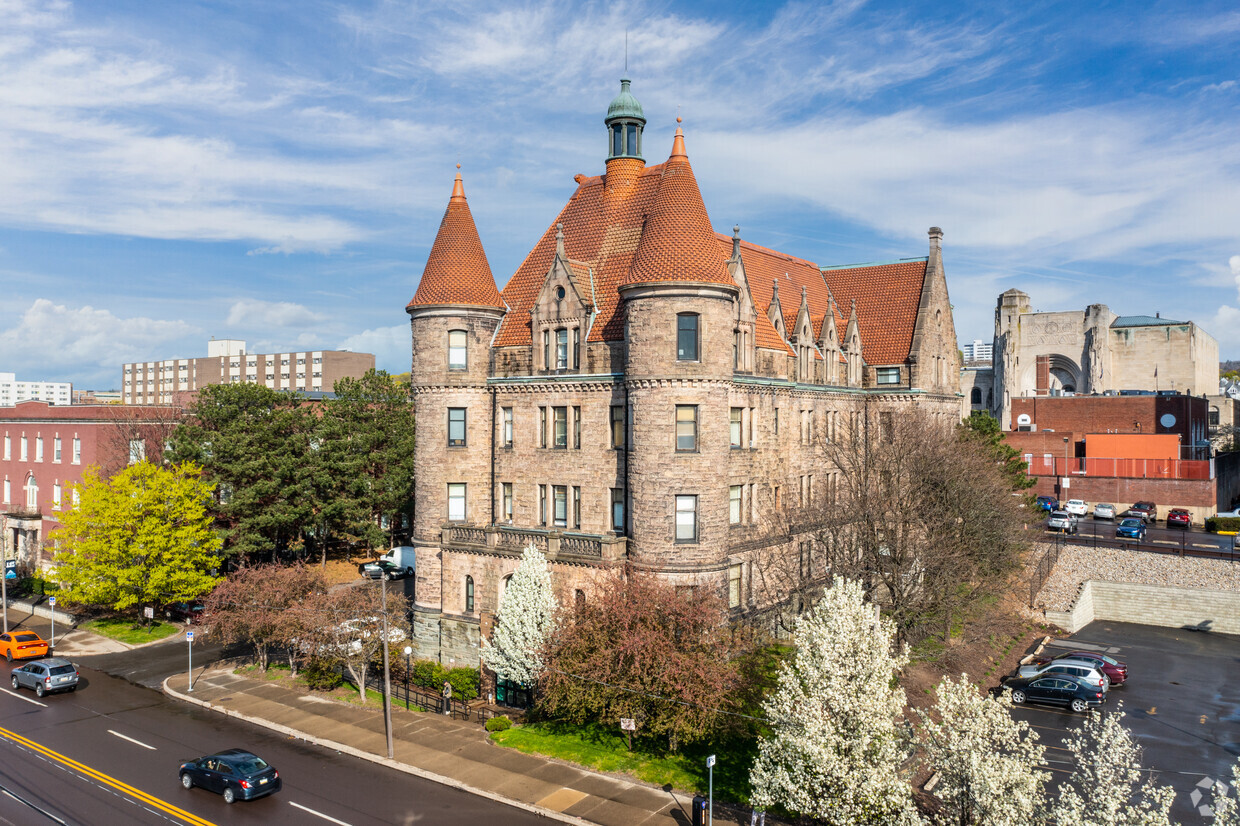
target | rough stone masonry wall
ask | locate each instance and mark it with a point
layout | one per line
(1147, 588)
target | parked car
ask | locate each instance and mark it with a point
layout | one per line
(1148, 508)
(1234, 513)
(1048, 503)
(22, 645)
(189, 613)
(1061, 521)
(385, 569)
(46, 676)
(237, 774)
(1076, 507)
(1060, 690)
(1130, 528)
(1116, 671)
(1103, 510)
(1085, 670)
(1179, 518)
(1143, 516)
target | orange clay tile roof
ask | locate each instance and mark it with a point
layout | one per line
(456, 270)
(678, 243)
(887, 297)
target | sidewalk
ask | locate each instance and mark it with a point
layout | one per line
(447, 751)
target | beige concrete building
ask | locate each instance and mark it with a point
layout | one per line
(648, 392)
(227, 362)
(1093, 352)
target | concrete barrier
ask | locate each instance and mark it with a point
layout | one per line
(40, 609)
(1162, 605)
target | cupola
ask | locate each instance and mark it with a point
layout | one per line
(625, 121)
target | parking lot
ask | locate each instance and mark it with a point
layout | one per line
(1182, 702)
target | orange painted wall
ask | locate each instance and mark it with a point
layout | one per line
(1132, 446)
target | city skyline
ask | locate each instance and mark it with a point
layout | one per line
(278, 173)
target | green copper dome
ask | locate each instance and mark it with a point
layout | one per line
(624, 105)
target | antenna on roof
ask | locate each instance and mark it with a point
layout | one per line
(626, 50)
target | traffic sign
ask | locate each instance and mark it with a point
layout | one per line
(710, 762)
(10, 564)
(189, 636)
(628, 724)
(51, 601)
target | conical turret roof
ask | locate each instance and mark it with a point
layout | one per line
(457, 271)
(677, 243)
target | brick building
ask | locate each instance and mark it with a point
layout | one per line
(46, 448)
(159, 382)
(1123, 449)
(646, 391)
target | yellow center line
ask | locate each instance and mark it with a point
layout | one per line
(137, 794)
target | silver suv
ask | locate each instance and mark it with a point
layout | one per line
(46, 676)
(1088, 672)
(1061, 521)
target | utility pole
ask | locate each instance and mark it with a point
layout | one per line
(387, 674)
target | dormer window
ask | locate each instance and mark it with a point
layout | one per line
(561, 349)
(457, 352)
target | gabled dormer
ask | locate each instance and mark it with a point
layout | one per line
(829, 343)
(802, 340)
(775, 313)
(852, 349)
(743, 341)
(560, 317)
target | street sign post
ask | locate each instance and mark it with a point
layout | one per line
(189, 639)
(52, 602)
(710, 793)
(148, 612)
(629, 725)
(10, 572)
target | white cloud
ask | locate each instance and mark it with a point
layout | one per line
(50, 337)
(271, 314)
(1225, 326)
(1234, 263)
(392, 346)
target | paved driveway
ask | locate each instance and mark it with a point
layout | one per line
(1182, 702)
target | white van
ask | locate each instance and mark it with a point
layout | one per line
(403, 557)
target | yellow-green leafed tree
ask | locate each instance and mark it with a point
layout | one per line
(142, 537)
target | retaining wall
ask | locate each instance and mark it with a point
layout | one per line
(1162, 605)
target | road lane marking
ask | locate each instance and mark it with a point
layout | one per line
(137, 794)
(130, 739)
(317, 814)
(23, 697)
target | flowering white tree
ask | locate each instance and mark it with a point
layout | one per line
(987, 761)
(1106, 787)
(525, 619)
(1226, 807)
(836, 750)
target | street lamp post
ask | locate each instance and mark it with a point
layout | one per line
(387, 674)
(408, 654)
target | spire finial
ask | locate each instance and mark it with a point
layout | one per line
(559, 240)
(678, 143)
(458, 187)
(736, 241)
(626, 51)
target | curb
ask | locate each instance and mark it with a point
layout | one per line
(383, 761)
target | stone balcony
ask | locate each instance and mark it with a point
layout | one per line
(558, 546)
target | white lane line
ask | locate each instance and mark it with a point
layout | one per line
(130, 739)
(318, 814)
(22, 697)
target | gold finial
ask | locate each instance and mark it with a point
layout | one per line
(458, 164)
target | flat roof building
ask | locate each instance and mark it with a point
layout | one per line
(13, 390)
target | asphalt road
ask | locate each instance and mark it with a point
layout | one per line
(74, 755)
(1181, 703)
(1158, 536)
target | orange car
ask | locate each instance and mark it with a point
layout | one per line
(21, 645)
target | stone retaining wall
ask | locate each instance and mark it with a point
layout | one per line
(1162, 605)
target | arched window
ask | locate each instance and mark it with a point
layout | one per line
(503, 586)
(32, 493)
(975, 397)
(469, 595)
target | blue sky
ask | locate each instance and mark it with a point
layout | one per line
(276, 171)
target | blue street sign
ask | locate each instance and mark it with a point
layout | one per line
(10, 574)
(51, 601)
(10, 569)
(189, 636)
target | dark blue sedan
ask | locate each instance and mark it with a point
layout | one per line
(1130, 529)
(237, 774)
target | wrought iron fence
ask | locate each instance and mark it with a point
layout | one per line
(1042, 572)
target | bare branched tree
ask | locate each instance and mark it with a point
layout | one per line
(135, 434)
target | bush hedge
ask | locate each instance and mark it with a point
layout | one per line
(432, 675)
(321, 675)
(500, 723)
(1215, 524)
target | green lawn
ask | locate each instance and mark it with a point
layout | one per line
(127, 631)
(606, 751)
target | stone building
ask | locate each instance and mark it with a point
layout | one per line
(1093, 353)
(646, 391)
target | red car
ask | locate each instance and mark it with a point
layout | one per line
(1116, 671)
(1179, 518)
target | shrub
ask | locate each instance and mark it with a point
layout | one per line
(500, 723)
(321, 675)
(1215, 524)
(464, 683)
(428, 674)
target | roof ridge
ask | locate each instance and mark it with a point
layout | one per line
(874, 263)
